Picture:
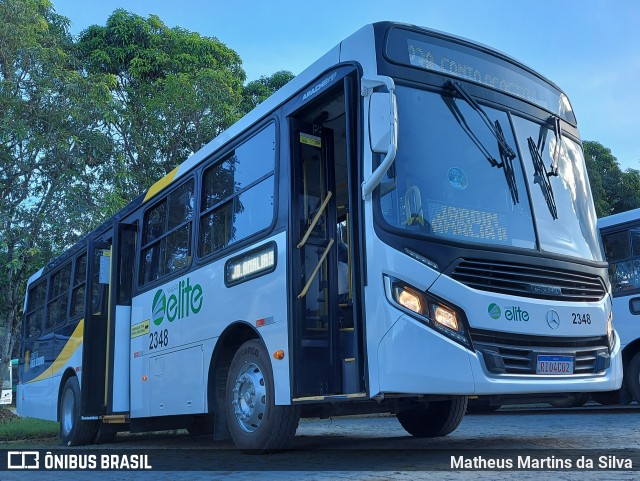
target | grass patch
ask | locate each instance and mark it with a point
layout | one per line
(15, 428)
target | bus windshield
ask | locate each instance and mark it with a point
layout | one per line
(573, 230)
(443, 185)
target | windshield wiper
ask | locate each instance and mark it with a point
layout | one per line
(506, 152)
(541, 177)
(557, 148)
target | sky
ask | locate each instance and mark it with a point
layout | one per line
(590, 48)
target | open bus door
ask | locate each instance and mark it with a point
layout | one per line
(96, 329)
(105, 357)
(327, 327)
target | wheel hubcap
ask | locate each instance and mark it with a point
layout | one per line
(249, 397)
(67, 412)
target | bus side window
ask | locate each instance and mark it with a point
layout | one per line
(79, 282)
(58, 297)
(35, 310)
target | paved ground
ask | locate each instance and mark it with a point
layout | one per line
(377, 448)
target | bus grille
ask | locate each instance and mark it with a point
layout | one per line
(529, 281)
(518, 354)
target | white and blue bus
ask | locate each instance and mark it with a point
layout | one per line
(621, 240)
(407, 223)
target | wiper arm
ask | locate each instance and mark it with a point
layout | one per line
(541, 177)
(497, 133)
(507, 166)
(557, 149)
(506, 152)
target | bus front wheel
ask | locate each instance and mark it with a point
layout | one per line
(632, 374)
(255, 423)
(439, 418)
(73, 430)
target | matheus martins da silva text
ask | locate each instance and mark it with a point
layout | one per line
(546, 462)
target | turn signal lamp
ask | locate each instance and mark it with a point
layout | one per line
(279, 355)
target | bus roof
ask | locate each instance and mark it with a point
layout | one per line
(620, 218)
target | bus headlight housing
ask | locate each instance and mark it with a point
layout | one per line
(431, 311)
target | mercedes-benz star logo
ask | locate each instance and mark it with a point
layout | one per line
(553, 319)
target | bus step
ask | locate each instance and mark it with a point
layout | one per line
(347, 342)
(350, 375)
(333, 397)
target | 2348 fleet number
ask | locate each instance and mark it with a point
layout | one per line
(581, 318)
(158, 339)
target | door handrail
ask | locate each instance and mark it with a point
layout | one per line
(315, 220)
(315, 271)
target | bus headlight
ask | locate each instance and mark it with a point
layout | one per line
(611, 334)
(444, 316)
(431, 311)
(409, 299)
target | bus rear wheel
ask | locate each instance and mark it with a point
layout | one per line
(73, 430)
(255, 423)
(439, 418)
(632, 375)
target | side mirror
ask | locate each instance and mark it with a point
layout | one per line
(383, 127)
(383, 121)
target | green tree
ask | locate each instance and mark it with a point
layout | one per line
(613, 190)
(173, 91)
(259, 90)
(48, 130)
(628, 192)
(605, 176)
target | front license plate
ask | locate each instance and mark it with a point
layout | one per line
(558, 365)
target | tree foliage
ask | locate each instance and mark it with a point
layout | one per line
(48, 122)
(172, 91)
(613, 190)
(259, 90)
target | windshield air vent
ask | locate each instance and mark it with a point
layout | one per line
(529, 281)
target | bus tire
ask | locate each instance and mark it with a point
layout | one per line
(439, 418)
(632, 375)
(255, 423)
(73, 430)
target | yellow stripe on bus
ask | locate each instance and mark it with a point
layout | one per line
(72, 345)
(161, 184)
